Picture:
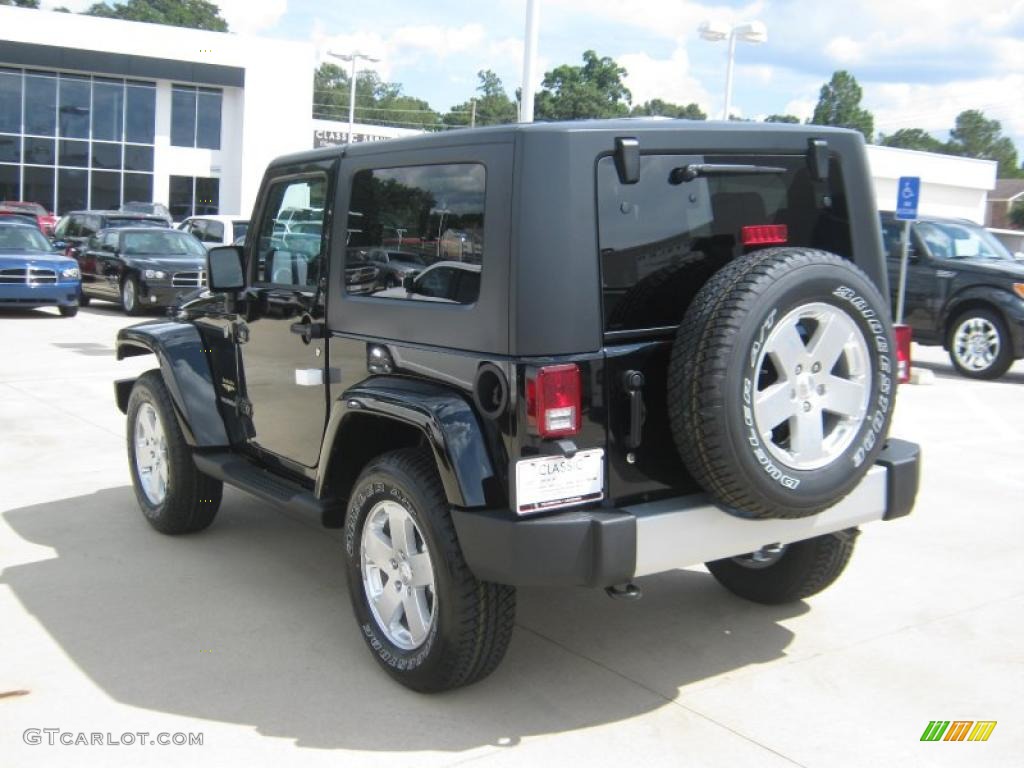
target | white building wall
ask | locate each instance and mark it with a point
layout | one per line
(951, 186)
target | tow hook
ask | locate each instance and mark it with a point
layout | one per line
(625, 591)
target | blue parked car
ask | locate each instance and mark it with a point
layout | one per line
(32, 274)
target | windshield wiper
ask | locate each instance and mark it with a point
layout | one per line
(693, 170)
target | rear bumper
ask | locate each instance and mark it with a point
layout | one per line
(598, 548)
(60, 294)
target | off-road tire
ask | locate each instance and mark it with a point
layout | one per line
(712, 357)
(68, 311)
(474, 619)
(1003, 360)
(192, 498)
(804, 568)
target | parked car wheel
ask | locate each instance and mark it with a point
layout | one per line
(781, 382)
(175, 497)
(787, 573)
(130, 295)
(979, 345)
(427, 620)
(69, 311)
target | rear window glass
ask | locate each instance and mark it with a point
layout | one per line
(113, 223)
(660, 242)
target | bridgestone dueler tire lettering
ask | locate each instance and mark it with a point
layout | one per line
(716, 341)
(192, 498)
(805, 568)
(474, 619)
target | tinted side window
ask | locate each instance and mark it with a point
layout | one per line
(892, 236)
(214, 232)
(283, 258)
(433, 213)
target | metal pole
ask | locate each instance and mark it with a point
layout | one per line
(728, 74)
(472, 116)
(529, 60)
(352, 96)
(904, 257)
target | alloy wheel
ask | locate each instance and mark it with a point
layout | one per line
(151, 461)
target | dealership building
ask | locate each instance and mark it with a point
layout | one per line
(99, 112)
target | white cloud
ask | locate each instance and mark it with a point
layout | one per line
(843, 50)
(668, 79)
(670, 19)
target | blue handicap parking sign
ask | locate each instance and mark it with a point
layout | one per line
(907, 197)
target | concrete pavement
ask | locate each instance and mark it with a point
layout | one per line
(244, 633)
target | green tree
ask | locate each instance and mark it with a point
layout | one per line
(577, 93)
(782, 119)
(659, 108)
(195, 14)
(913, 138)
(21, 3)
(377, 102)
(839, 105)
(977, 136)
(493, 105)
(1017, 215)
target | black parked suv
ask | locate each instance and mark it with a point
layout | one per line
(75, 228)
(675, 350)
(965, 291)
(140, 267)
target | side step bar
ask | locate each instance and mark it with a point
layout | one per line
(236, 471)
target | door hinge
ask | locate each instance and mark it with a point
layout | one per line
(633, 383)
(240, 332)
(245, 407)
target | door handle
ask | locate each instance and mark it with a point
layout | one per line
(308, 330)
(633, 382)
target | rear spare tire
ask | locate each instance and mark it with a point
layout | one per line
(781, 382)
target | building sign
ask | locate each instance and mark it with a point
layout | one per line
(328, 138)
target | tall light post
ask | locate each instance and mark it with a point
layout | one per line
(748, 32)
(529, 60)
(352, 58)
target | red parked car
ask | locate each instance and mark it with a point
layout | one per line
(45, 220)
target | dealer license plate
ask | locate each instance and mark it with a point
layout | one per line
(549, 482)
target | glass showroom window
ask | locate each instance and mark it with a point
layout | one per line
(195, 117)
(74, 141)
(193, 197)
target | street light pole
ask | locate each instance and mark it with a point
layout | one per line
(750, 32)
(529, 60)
(352, 58)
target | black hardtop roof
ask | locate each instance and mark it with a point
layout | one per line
(497, 134)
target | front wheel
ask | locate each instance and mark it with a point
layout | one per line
(784, 574)
(979, 345)
(130, 295)
(427, 620)
(68, 311)
(175, 497)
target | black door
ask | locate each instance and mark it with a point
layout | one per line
(282, 370)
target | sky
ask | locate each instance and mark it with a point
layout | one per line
(920, 62)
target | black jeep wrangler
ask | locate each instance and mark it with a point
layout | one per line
(634, 346)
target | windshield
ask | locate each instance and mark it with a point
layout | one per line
(23, 239)
(116, 223)
(161, 244)
(949, 240)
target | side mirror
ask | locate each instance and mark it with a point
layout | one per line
(409, 283)
(224, 272)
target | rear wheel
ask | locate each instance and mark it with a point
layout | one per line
(175, 497)
(979, 345)
(427, 620)
(784, 574)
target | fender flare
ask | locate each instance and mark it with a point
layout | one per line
(186, 374)
(444, 417)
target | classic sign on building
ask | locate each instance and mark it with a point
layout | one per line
(328, 133)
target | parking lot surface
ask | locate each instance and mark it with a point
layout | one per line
(244, 634)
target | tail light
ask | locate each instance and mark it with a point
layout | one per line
(554, 400)
(765, 234)
(903, 335)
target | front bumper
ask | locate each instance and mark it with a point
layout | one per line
(602, 547)
(62, 294)
(161, 294)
